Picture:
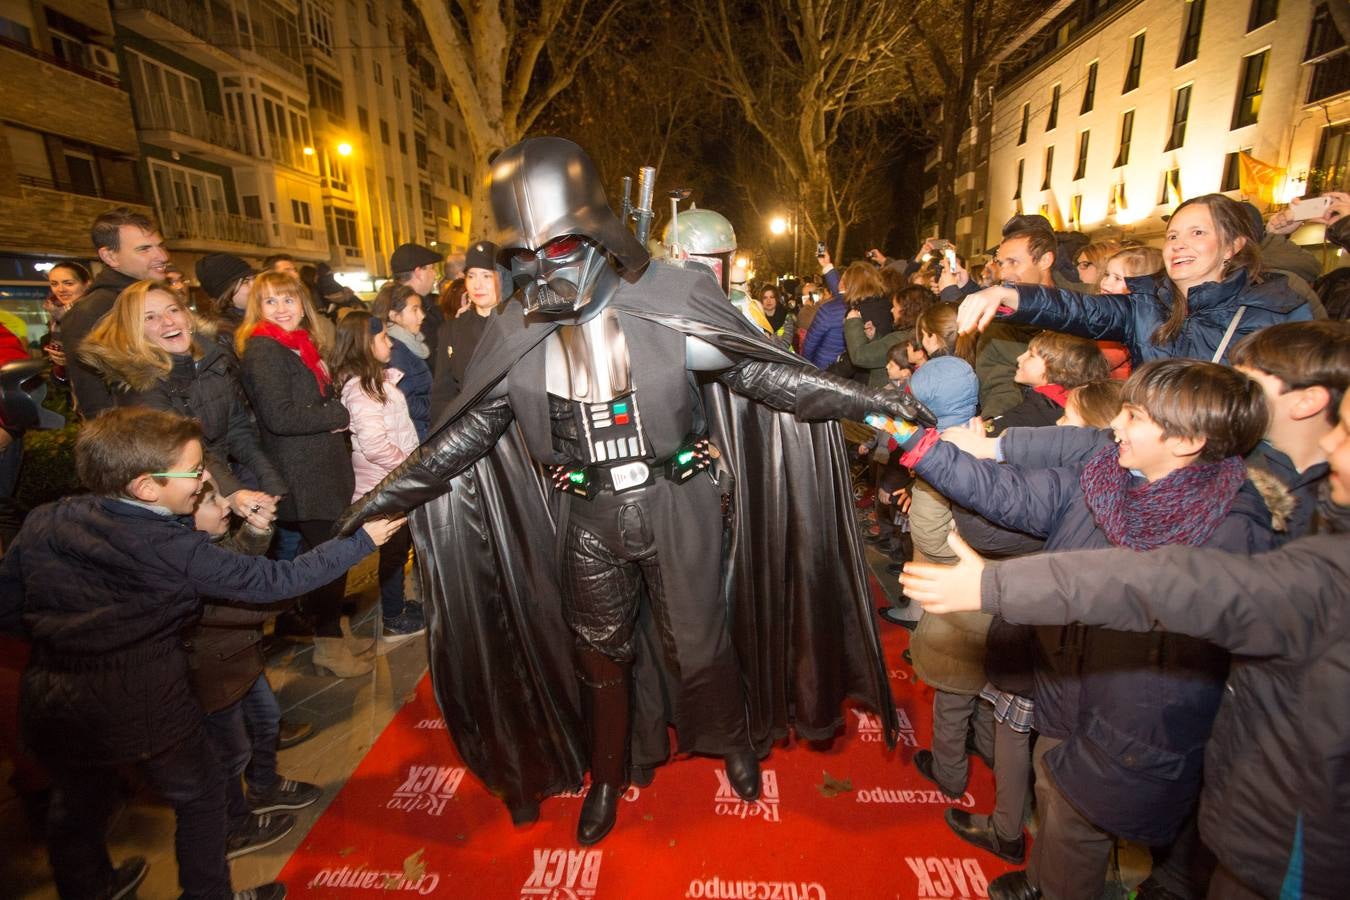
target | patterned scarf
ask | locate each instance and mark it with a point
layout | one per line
(299, 341)
(1185, 507)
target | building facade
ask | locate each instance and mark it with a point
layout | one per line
(1120, 109)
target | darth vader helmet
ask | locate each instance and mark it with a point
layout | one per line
(556, 230)
(23, 387)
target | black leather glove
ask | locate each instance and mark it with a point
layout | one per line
(426, 473)
(813, 394)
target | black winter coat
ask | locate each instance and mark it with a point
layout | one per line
(1280, 751)
(91, 393)
(1134, 711)
(207, 390)
(301, 432)
(105, 590)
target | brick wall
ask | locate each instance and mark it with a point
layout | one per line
(52, 222)
(48, 98)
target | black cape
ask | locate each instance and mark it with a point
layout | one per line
(802, 624)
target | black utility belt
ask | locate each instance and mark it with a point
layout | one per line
(588, 481)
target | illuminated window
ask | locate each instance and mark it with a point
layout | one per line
(1080, 167)
(1090, 88)
(1126, 135)
(1250, 87)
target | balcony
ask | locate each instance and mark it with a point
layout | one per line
(159, 112)
(930, 197)
(212, 227)
(292, 154)
(217, 34)
(70, 187)
(932, 159)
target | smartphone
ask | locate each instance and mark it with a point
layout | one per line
(1312, 208)
(820, 249)
(951, 259)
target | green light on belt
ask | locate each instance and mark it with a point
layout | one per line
(620, 407)
(576, 477)
(684, 456)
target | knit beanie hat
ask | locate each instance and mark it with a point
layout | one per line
(947, 385)
(218, 272)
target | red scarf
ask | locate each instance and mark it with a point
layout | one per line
(299, 341)
(1055, 393)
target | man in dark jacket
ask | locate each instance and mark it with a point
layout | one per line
(1276, 805)
(132, 249)
(415, 266)
(104, 585)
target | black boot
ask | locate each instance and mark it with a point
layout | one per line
(604, 688)
(743, 773)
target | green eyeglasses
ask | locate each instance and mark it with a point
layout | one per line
(195, 473)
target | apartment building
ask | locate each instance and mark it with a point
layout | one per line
(1120, 109)
(393, 154)
(68, 145)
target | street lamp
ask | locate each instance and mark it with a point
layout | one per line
(344, 149)
(778, 225)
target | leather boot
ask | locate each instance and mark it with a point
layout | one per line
(743, 773)
(604, 689)
(982, 834)
(333, 656)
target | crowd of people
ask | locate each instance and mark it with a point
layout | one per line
(1201, 386)
(223, 429)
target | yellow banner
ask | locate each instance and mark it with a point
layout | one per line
(1259, 180)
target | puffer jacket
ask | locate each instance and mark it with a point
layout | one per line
(1132, 318)
(382, 433)
(825, 338)
(1276, 802)
(301, 430)
(416, 385)
(205, 389)
(1129, 763)
(948, 651)
(105, 590)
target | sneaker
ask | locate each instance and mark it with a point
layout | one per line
(287, 794)
(406, 624)
(260, 831)
(128, 877)
(273, 890)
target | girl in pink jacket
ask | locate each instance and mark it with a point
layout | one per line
(382, 437)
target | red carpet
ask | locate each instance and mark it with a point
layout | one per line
(855, 821)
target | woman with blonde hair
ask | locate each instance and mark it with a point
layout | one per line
(1091, 261)
(152, 351)
(301, 419)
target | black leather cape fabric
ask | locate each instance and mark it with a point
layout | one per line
(501, 655)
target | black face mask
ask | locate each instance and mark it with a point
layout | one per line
(562, 276)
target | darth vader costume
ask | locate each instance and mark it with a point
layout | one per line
(636, 514)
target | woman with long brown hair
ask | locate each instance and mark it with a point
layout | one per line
(1212, 294)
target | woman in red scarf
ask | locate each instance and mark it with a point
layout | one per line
(301, 420)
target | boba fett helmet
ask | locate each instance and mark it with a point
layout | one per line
(703, 236)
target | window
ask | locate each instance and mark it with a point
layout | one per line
(1049, 168)
(419, 103)
(370, 12)
(424, 195)
(1026, 120)
(1090, 88)
(1232, 171)
(1052, 120)
(398, 88)
(341, 226)
(358, 66)
(384, 132)
(300, 212)
(1076, 212)
(1170, 193)
(1181, 110)
(1136, 64)
(1117, 201)
(403, 142)
(67, 48)
(449, 134)
(1190, 34)
(16, 31)
(182, 193)
(325, 92)
(420, 150)
(1126, 135)
(468, 184)
(165, 98)
(1263, 11)
(1080, 167)
(378, 71)
(320, 29)
(82, 172)
(1250, 87)
(28, 149)
(456, 217)
(1017, 189)
(1332, 170)
(363, 119)
(1326, 51)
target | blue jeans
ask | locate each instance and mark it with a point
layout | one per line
(262, 719)
(187, 775)
(245, 747)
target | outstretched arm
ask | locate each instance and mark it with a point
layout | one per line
(810, 393)
(426, 473)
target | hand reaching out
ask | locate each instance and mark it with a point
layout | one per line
(946, 589)
(381, 530)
